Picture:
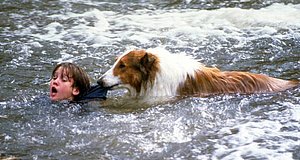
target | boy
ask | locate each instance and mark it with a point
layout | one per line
(70, 82)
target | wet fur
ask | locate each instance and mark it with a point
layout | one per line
(156, 72)
(213, 81)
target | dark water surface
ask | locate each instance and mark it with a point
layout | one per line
(248, 35)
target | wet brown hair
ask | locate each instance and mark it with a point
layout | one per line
(81, 79)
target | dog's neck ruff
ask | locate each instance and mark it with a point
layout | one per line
(173, 71)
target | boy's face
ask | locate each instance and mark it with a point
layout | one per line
(61, 86)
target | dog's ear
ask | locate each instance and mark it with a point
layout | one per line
(147, 60)
(146, 64)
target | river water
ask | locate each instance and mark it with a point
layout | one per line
(247, 35)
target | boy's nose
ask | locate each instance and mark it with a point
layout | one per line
(55, 81)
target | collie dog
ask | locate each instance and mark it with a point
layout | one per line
(157, 73)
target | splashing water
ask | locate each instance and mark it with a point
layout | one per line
(260, 37)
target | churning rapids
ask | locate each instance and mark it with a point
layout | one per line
(247, 35)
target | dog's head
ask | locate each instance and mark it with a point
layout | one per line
(134, 70)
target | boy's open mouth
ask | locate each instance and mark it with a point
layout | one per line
(53, 90)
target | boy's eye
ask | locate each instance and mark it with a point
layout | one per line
(54, 76)
(65, 78)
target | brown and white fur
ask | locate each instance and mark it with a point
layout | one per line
(157, 73)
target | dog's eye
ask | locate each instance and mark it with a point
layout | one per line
(122, 65)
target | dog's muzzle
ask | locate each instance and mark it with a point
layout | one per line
(107, 82)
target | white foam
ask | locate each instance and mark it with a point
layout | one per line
(175, 132)
(182, 26)
(262, 140)
(89, 27)
(293, 111)
(296, 114)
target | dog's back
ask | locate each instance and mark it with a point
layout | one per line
(212, 81)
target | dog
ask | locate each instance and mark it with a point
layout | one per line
(158, 73)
